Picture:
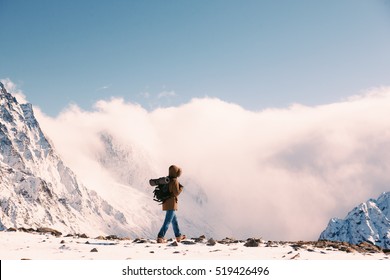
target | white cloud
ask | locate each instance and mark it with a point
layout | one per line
(278, 173)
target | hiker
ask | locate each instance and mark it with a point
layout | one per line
(170, 206)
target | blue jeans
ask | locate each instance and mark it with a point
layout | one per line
(170, 217)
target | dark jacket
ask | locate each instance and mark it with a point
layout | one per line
(174, 187)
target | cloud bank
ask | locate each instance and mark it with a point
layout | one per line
(276, 173)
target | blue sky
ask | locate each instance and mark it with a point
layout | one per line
(257, 54)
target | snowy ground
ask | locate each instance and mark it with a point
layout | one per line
(21, 245)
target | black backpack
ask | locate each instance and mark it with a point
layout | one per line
(161, 191)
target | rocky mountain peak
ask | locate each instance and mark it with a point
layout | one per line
(2, 88)
(5, 96)
(368, 222)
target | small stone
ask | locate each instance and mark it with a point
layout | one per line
(199, 239)
(217, 250)
(111, 237)
(140, 240)
(211, 242)
(188, 242)
(100, 238)
(386, 251)
(94, 250)
(295, 257)
(251, 242)
(62, 242)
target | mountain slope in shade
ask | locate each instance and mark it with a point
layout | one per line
(36, 188)
(370, 221)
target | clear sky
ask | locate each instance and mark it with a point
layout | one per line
(257, 54)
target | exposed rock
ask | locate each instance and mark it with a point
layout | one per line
(199, 239)
(188, 242)
(140, 240)
(228, 240)
(211, 242)
(295, 256)
(22, 229)
(100, 237)
(49, 230)
(371, 248)
(363, 247)
(94, 250)
(112, 237)
(252, 242)
(271, 244)
(217, 250)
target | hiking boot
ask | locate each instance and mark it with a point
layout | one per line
(161, 240)
(180, 238)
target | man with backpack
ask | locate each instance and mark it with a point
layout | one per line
(170, 205)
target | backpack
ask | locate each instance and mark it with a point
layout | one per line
(161, 191)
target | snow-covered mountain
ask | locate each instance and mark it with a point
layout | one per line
(370, 221)
(36, 188)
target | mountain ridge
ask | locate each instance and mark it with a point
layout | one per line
(367, 222)
(37, 188)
